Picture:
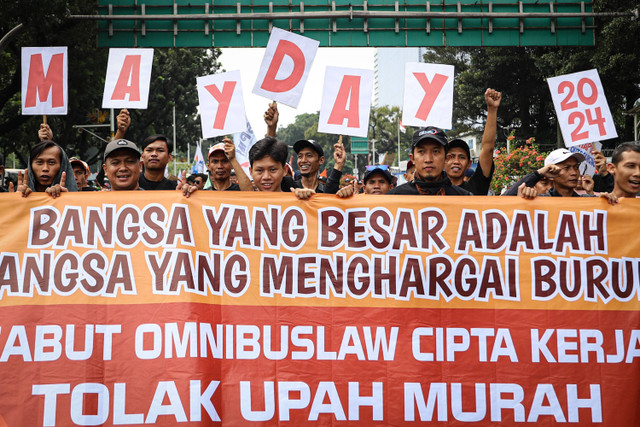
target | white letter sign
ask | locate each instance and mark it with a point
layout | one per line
(44, 80)
(221, 104)
(285, 67)
(128, 78)
(581, 107)
(346, 101)
(428, 95)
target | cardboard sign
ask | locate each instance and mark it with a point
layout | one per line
(588, 166)
(221, 104)
(346, 101)
(581, 107)
(44, 80)
(285, 67)
(428, 95)
(128, 78)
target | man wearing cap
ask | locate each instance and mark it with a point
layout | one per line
(122, 165)
(377, 180)
(428, 151)
(219, 167)
(81, 173)
(459, 156)
(310, 158)
(156, 154)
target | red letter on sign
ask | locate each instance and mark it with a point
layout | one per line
(270, 83)
(349, 92)
(130, 73)
(431, 91)
(224, 99)
(41, 84)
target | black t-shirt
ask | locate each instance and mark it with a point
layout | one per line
(232, 187)
(164, 184)
(479, 184)
(441, 187)
(89, 189)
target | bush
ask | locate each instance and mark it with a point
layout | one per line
(523, 158)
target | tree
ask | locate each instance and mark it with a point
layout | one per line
(173, 81)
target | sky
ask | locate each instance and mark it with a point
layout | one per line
(248, 61)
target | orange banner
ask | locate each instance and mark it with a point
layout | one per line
(147, 307)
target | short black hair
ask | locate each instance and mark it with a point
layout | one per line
(623, 148)
(153, 138)
(269, 147)
(37, 149)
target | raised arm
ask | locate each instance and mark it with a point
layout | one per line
(123, 121)
(271, 119)
(243, 180)
(492, 98)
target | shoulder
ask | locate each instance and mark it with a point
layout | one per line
(406, 188)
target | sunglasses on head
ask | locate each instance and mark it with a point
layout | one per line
(374, 167)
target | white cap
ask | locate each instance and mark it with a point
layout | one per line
(562, 154)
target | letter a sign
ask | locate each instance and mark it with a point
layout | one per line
(221, 104)
(346, 101)
(44, 80)
(285, 67)
(128, 78)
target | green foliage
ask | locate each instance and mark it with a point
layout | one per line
(173, 82)
(522, 158)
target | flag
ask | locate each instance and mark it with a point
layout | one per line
(243, 142)
(401, 127)
(198, 161)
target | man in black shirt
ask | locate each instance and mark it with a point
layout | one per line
(459, 156)
(156, 154)
(428, 151)
(310, 156)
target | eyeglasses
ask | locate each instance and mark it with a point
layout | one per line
(374, 167)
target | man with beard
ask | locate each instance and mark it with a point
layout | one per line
(428, 151)
(310, 158)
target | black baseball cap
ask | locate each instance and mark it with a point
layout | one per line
(459, 143)
(384, 172)
(299, 145)
(119, 144)
(429, 132)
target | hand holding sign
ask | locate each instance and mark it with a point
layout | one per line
(581, 107)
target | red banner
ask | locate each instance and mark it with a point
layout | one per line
(172, 311)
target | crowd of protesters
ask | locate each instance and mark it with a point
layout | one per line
(437, 166)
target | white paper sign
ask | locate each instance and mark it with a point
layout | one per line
(221, 104)
(346, 101)
(581, 108)
(128, 78)
(285, 67)
(44, 80)
(588, 166)
(428, 95)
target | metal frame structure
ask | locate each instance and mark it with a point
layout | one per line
(248, 23)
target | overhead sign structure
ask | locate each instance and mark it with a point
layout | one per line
(359, 145)
(285, 67)
(128, 78)
(161, 23)
(45, 84)
(581, 107)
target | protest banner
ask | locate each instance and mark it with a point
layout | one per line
(221, 104)
(44, 80)
(346, 101)
(128, 78)
(285, 67)
(581, 108)
(160, 309)
(428, 95)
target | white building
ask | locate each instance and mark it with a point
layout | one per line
(389, 73)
